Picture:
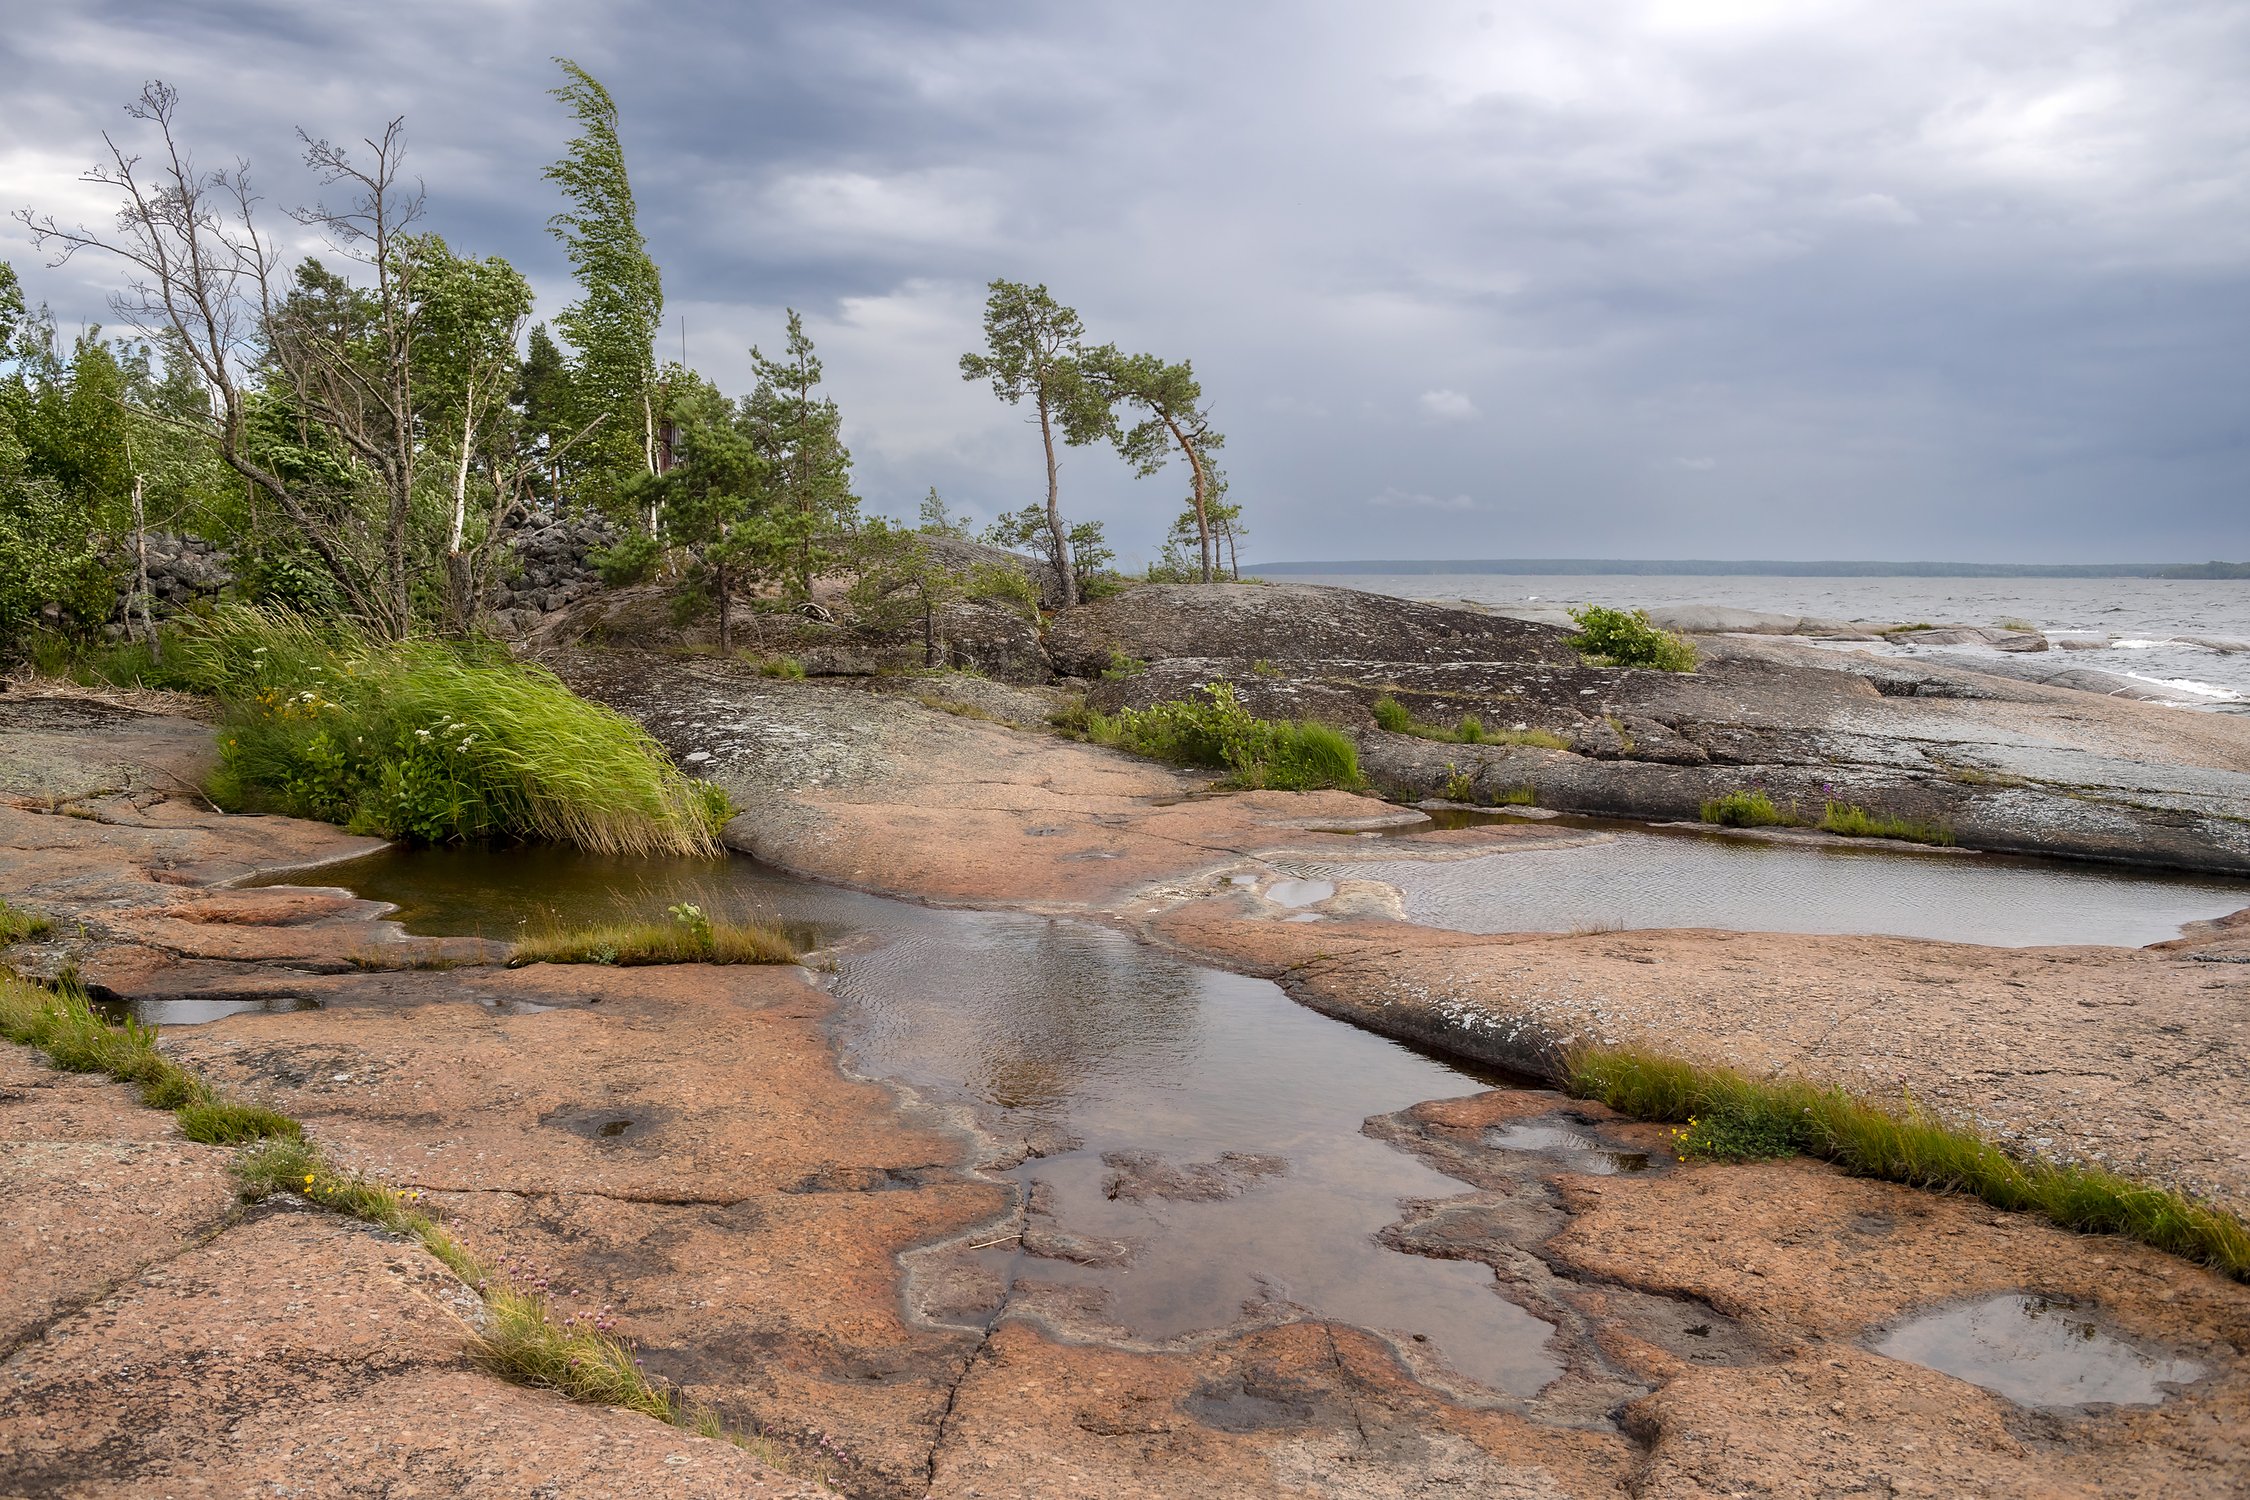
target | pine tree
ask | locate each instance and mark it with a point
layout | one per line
(612, 326)
(798, 433)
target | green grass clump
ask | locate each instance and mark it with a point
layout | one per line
(1728, 1116)
(1518, 796)
(1220, 732)
(689, 938)
(217, 1123)
(787, 668)
(17, 925)
(1858, 823)
(1741, 809)
(1626, 638)
(432, 741)
(1392, 715)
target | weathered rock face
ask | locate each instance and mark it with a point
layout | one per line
(1293, 623)
(2003, 764)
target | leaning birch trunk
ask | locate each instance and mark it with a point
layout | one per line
(1202, 515)
(140, 568)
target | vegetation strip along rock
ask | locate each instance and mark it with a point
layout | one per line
(1728, 1116)
(524, 1340)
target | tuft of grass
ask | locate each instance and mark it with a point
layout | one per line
(1518, 796)
(1745, 809)
(787, 668)
(2013, 623)
(1728, 1116)
(958, 709)
(1626, 638)
(431, 741)
(1392, 715)
(689, 938)
(17, 925)
(1219, 732)
(1855, 822)
(218, 1123)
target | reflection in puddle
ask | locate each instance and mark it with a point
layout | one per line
(1583, 1152)
(1686, 879)
(1295, 893)
(194, 1012)
(2036, 1351)
(1096, 1046)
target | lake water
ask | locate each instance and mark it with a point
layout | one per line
(2137, 618)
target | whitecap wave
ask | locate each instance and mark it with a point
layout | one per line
(2205, 690)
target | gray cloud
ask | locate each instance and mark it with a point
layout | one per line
(1682, 277)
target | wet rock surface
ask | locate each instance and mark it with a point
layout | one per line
(1714, 1324)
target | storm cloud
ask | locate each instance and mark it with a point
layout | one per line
(1743, 278)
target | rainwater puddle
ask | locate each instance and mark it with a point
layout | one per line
(2035, 1351)
(1582, 1151)
(1297, 893)
(1203, 1130)
(1643, 878)
(192, 1012)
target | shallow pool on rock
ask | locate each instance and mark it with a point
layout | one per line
(1644, 878)
(2036, 1351)
(1203, 1162)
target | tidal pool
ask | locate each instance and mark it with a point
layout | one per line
(2036, 1351)
(1639, 877)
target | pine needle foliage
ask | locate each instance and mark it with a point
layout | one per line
(432, 741)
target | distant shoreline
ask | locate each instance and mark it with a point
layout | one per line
(1723, 568)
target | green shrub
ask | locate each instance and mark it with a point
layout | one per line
(1858, 823)
(433, 742)
(629, 560)
(1220, 732)
(1621, 638)
(1392, 715)
(1459, 785)
(1122, 666)
(1746, 810)
(1730, 1116)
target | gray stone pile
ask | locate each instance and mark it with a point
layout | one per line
(551, 569)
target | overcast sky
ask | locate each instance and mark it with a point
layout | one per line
(1680, 278)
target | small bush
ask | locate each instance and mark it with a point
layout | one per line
(630, 560)
(1858, 823)
(1621, 638)
(1459, 785)
(216, 1123)
(1746, 810)
(432, 742)
(18, 925)
(1122, 666)
(1220, 732)
(1729, 1116)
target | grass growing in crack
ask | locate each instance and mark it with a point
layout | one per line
(218, 1123)
(63, 1023)
(689, 937)
(1726, 1115)
(524, 1341)
(1219, 732)
(17, 925)
(1742, 809)
(1392, 715)
(1858, 823)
